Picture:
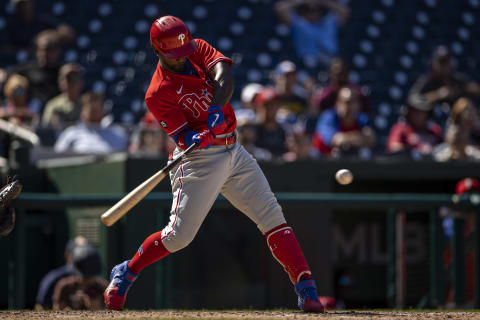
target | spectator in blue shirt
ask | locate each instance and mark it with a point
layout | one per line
(91, 136)
(343, 129)
(314, 26)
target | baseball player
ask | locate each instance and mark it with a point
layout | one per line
(189, 96)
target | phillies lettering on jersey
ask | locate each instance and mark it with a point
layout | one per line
(182, 101)
(196, 103)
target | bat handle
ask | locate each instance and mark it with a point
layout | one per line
(189, 149)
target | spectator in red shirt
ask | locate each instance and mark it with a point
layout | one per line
(326, 97)
(343, 129)
(415, 132)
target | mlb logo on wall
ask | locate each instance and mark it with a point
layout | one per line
(163, 123)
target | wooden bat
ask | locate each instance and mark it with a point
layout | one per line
(121, 208)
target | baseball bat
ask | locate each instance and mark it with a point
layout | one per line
(113, 214)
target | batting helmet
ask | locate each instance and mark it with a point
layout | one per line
(172, 38)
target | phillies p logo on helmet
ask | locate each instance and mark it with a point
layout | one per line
(181, 37)
(171, 37)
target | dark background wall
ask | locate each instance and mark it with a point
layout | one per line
(229, 254)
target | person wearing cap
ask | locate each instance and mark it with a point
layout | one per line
(314, 26)
(292, 95)
(247, 112)
(189, 96)
(443, 84)
(65, 108)
(415, 131)
(343, 130)
(248, 94)
(50, 280)
(83, 290)
(459, 145)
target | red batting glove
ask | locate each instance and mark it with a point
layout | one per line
(204, 139)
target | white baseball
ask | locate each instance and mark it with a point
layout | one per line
(344, 176)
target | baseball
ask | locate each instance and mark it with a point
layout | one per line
(344, 176)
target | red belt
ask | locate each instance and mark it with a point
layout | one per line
(225, 141)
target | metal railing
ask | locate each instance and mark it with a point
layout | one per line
(390, 202)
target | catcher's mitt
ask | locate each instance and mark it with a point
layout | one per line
(7, 214)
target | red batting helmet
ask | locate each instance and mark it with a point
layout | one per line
(172, 38)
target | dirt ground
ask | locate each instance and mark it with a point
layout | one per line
(235, 315)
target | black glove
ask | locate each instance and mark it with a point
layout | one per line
(7, 214)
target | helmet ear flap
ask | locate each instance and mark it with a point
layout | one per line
(171, 37)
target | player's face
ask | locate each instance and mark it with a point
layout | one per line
(172, 65)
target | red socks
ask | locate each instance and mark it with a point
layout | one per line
(151, 250)
(287, 251)
(281, 241)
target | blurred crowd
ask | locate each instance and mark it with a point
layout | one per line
(293, 117)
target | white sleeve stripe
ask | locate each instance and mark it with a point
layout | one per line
(183, 125)
(216, 60)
